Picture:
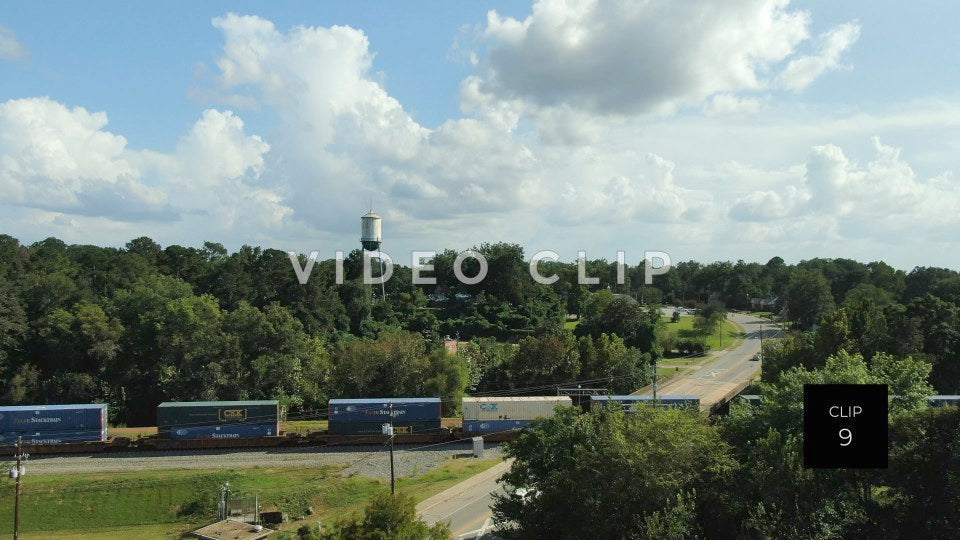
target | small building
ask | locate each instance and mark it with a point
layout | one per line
(232, 530)
(764, 303)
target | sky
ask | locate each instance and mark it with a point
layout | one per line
(743, 129)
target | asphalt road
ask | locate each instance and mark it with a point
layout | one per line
(466, 506)
(728, 373)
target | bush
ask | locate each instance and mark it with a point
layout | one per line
(692, 347)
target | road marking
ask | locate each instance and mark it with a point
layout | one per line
(714, 372)
(477, 533)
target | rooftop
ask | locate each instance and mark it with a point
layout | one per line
(218, 403)
(386, 400)
(516, 398)
(52, 407)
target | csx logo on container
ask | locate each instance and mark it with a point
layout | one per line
(488, 406)
(233, 414)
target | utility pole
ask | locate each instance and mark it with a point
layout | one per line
(388, 431)
(393, 484)
(18, 473)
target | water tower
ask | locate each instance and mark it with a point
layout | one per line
(370, 236)
(370, 239)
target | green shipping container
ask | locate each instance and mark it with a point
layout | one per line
(173, 414)
(375, 428)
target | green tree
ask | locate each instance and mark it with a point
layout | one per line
(145, 247)
(612, 364)
(547, 359)
(709, 319)
(626, 318)
(632, 474)
(487, 362)
(13, 326)
(396, 363)
(808, 297)
(387, 517)
(923, 480)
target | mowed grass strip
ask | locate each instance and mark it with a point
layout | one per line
(68, 505)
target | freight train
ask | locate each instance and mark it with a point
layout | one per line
(52, 429)
(248, 424)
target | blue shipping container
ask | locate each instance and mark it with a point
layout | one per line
(54, 437)
(381, 409)
(628, 402)
(53, 418)
(227, 431)
(481, 427)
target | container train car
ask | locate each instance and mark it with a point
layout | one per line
(417, 415)
(218, 419)
(53, 424)
(628, 403)
(496, 415)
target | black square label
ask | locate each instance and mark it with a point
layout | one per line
(845, 426)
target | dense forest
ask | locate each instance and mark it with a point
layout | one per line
(136, 326)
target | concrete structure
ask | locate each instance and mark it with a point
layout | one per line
(232, 530)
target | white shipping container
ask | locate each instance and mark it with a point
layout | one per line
(512, 408)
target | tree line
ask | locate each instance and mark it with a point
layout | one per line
(142, 324)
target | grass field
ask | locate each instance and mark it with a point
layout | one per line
(164, 504)
(303, 426)
(732, 333)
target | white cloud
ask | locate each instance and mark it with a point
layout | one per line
(883, 199)
(344, 139)
(217, 148)
(801, 72)
(643, 57)
(63, 160)
(59, 158)
(729, 105)
(10, 47)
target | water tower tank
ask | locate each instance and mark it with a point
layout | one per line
(370, 231)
